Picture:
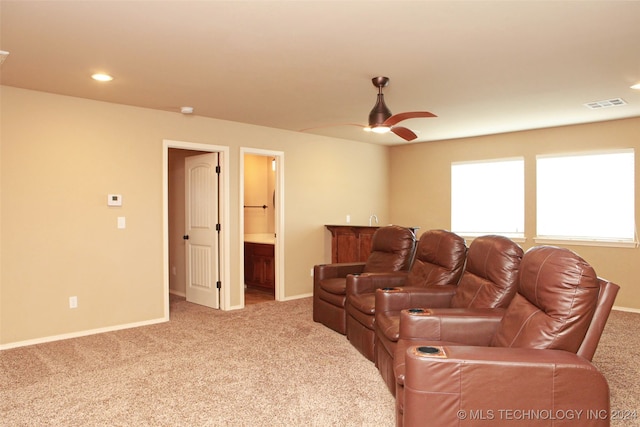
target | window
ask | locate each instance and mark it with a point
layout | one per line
(586, 197)
(487, 197)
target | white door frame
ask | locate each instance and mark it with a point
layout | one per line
(225, 246)
(279, 217)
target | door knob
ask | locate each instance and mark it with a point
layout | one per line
(185, 237)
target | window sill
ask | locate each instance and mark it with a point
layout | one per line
(584, 242)
(471, 237)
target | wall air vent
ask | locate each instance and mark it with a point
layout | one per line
(615, 102)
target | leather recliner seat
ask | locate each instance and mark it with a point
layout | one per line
(438, 263)
(489, 281)
(392, 250)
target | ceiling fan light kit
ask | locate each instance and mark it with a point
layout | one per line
(380, 129)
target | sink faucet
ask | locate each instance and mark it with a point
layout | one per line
(371, 218)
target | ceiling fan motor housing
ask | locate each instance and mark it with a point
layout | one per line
(379, 113)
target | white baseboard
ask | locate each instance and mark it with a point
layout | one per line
(627, 309)
(80, 334)
(161, 320)
(298, 297)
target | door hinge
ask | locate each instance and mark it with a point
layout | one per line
(218, 227)
(218, 284)
(218, 169)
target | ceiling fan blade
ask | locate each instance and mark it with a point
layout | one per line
(397, 118)
(404, 133)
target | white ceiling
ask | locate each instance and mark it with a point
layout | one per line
(482, 66)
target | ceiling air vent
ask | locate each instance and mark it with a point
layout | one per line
(615, 102)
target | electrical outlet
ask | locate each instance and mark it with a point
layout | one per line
(311, 272)
(73, 302)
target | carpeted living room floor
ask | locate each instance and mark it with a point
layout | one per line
(266, 365)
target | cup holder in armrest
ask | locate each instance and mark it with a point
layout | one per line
(389, 289)
(430, 351)
(416, 310)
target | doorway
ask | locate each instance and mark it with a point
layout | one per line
(175, 199)
(261, 224)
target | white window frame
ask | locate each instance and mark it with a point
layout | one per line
(473, 204)
(630, 240)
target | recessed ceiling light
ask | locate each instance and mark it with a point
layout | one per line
(636, 86)
(102, 77)
(3, 56)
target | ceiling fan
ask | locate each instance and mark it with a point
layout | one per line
(380, 118)
(382, 121)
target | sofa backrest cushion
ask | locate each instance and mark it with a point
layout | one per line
(490, 277)
(556, 299)
(439, 260)
(392, 249)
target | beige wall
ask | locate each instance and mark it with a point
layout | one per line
(420, 184)
(61, 156)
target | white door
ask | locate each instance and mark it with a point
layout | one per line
(202, 230)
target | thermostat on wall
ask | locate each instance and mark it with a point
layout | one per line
(114, 200)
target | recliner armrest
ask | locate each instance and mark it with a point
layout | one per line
(467, 326)
(502, 386)
(369, 282)
(399, 298)
(333, 271)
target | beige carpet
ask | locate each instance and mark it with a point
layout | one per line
(618, 357)
(267, 365)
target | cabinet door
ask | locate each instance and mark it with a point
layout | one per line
(350, 243)
(347, 247)
(259, 265)
(248, 263)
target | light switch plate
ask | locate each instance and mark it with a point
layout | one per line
(122, 222)
(114, 200)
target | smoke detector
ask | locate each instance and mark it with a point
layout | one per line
(186, 110)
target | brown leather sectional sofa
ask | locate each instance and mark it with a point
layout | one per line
(508, 344)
